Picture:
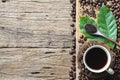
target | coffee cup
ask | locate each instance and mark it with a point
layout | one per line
(97, 59)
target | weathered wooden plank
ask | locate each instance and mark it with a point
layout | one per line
(32, 7)
(34, 64)
(35, 39)
(35, 23)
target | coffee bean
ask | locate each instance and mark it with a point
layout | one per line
(74, 63)
(4, 1)
(73, 42)
(73, 10)
(71, 1)
(71, 73)
(73, 68)
(72, 25)
(71, 14)
(74, 3)
(85, 39)
(71, 52)
(79, 77)
(74, 75)
(72, 32)
(81, 36)
(71, 78)
(81, 41)
(84, 2)
(73, 58)
(73, 46)
(94, 4)
(73, 17)
(73, 6)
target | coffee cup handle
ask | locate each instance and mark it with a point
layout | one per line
(110, 71)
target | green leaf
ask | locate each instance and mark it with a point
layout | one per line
(87, 20)
(107, 24)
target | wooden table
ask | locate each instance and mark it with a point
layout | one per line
(35, 39)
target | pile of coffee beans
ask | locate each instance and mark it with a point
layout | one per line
(89, 7)
(117, 61)
(72, 72)
(114, 6)
(82, 39)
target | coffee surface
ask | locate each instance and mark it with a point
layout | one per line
(96, 58)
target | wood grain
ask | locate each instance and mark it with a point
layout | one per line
(35, 39)
(28, 23)
(34, 64)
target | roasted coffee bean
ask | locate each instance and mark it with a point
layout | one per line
(74, 29)
(74, 20)
(71, 78)
(4, 1)
(81, 41)
(73, 17)
(71, 73)
(80, 58)
(83, 2)
(73, 63)
(71, 1)
(80, 1)
(74, 3)
(74, 75)
(73, 46)
(73, 6)
(73, 13)
(79, 77)
(72, 25)
(94, 4)
(73, 58)
(73, 10)
(71, 52)
(81, 36)
(85, 39)
(73, 42)
(73, 68)
(72, 32)
(83, 69)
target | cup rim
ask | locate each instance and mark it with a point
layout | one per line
(108, 60)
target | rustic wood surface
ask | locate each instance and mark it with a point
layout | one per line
(35, 39)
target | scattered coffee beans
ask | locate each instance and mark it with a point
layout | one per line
(72, 73)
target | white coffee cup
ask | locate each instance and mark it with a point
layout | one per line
(97, 59)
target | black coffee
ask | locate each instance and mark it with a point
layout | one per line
(96, 58)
